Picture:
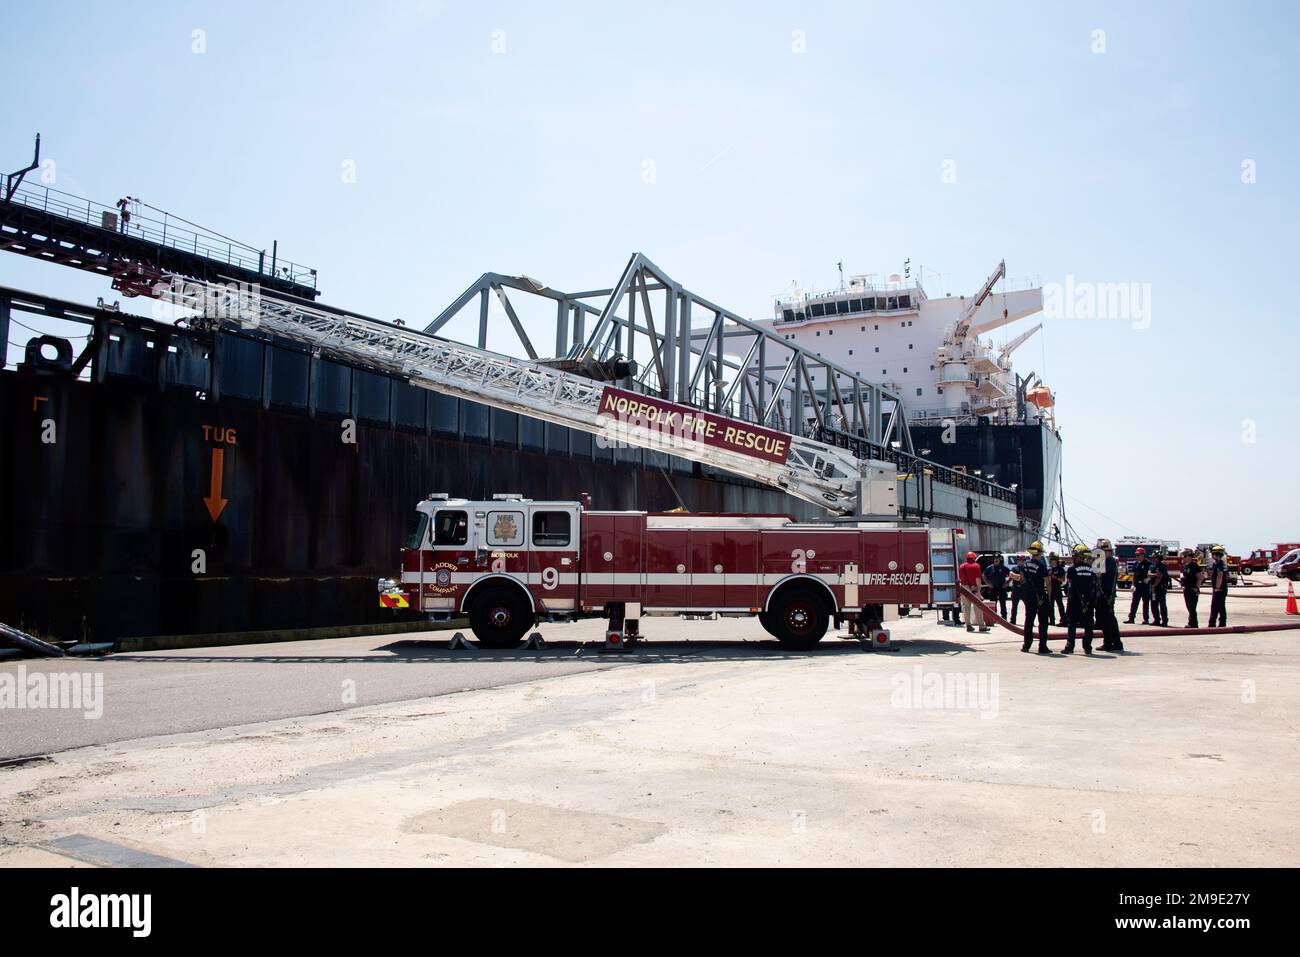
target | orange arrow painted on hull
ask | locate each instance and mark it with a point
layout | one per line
(215, 503)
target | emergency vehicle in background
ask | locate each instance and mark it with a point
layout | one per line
(507, 562)
(1261, 558)
(1126, 555)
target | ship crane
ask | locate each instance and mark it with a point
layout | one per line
(813, 471)
(960, 329)
(1017, 342)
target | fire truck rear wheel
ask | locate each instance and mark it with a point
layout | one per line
(799, 617)
(500, 617)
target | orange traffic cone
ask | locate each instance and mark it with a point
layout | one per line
(1291, 608)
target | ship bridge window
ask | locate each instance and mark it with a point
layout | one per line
(855, 305)
(451, 527)
(842, 306)
(905, 302)
(818, 309)
(551, 529)
(893, 302)
(787, 315)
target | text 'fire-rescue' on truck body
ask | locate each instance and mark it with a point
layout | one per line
(507, 562)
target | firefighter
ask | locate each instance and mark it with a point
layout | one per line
(1107, 586)
(1014, 581)
(1159, 582)
(995, 580)
(970, 574)
(1141, 589)
(1191, 579)
(1083, 595)
(1218, 589)
(1056, 608)
(1035, 592)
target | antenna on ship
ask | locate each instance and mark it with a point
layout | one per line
(840, 266)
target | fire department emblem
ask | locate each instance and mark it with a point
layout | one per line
(443, 577)
(505, 529)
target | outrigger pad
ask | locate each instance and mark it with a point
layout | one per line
(880, 640)
(458, 643)
(535, 641)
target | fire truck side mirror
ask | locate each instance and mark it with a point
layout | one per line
(584, 499)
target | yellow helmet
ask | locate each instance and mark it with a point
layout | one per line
(1035, 546)
(1081, 549)
(1218, 550)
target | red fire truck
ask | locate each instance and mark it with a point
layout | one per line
(510, 561)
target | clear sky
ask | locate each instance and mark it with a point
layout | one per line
(516, 137)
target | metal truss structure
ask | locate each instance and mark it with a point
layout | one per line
(727, 364)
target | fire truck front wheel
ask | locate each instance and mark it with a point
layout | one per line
(500, 616)
(799, 617)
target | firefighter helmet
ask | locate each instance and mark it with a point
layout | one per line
(1081, 550)
(1103, 543)
(1141, 550)
(1217, 550)
(1036, 547)
(1053, 555)
(970, 556)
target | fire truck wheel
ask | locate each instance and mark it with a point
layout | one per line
(799, 617)
(500, 617)
(768, 622)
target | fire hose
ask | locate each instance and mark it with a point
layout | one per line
(1138, 632)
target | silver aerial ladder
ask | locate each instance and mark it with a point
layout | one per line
(813, 471)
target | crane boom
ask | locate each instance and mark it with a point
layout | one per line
(813, 471)
(959, 331)
(1018, 341)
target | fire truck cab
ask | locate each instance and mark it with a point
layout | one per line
(508, 562)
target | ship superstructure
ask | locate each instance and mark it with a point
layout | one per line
(967, 407)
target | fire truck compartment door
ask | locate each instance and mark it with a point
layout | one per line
(667, 568)
(611, 558)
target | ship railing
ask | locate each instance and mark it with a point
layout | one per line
(913, 464)
(168, 231)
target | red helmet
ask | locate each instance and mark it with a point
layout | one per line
(1141, 551)
(970, 556)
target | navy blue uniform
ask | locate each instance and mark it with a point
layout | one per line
(1106, 620)
(1141, 592)
(1159, 581)
(1191, 578)
(1083, 598)
(1219, 595)
(996, 576)
(1033, 592)
(1056, 610)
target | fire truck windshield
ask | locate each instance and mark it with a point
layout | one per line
(419, 525)
(1129, 552)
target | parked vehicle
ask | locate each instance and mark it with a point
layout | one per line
(1258, 560)
(1288, 566)
(506, 562)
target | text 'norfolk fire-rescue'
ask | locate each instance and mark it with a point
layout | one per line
(692, 425)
